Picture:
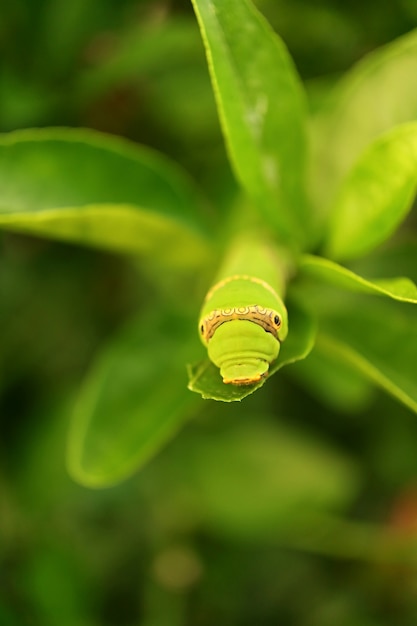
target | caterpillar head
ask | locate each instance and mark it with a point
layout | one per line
(242, 324)
(243, 351)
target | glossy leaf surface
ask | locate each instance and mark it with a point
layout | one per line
(97, 190)
(261, 108)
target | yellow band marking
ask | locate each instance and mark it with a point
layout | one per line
(252, 279)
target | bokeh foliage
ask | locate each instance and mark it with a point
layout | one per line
(306, 490)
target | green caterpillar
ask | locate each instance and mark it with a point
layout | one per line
(243, 319)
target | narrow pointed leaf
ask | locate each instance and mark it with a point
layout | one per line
(97, 190)
(133, 401)
(205, 379)
(326, 271)
(261, 108)
(376, 195)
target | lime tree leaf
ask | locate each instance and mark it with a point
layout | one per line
(376, 195)
(97, 190)
(380, 92)
(326, 271)
(205, 379)
(262, 110)
(133, 401)
(380, 341)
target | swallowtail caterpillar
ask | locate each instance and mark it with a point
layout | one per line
(243, 319)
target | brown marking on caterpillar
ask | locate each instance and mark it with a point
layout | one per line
(269, 319)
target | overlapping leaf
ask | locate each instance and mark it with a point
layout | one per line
(89, 188)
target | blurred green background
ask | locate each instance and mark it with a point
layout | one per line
(216, 529)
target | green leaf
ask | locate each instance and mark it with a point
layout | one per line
(380, 92)
(98, 190)
(326, 271)
(133, 401)
(376, 195)
(380, 341)
(261, 108)
(205, 379)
